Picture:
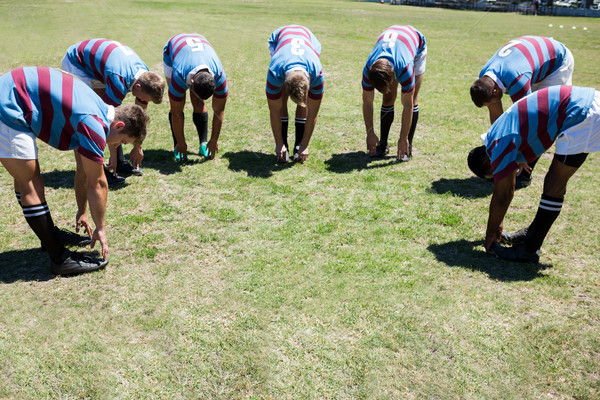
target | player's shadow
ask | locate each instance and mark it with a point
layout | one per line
(255, 164)
(470, 255)
(469, 188)
(24, 265)
(66, 180)
(164, 162)
(343, 163)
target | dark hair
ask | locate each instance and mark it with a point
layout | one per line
(381, 75)
(135, 119)
(153, 85)
(479, 162)
(204, 84)
(482, 90)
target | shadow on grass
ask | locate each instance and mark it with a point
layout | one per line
(255, 164)
(473, 187)
(24, 265)
(470, 255)
(358, 160)
(66, 180)
(164, 162)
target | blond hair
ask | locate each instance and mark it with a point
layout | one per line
(296, 85)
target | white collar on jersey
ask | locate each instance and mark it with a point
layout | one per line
(297, 69)
(495, 79)
(136, 77)
(110, 115)
(193, 72)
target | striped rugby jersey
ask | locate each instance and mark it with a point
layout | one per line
(531, 125)
(399, 44)
(294, 47)
(186, 54)
(524, 61)
(57, 108)
(110, 62)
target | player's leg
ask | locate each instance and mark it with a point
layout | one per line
(415, 115)
(284, 118)
(300, 125)
(200, 119)
(386, 118)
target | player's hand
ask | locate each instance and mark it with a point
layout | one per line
(523, 166)
(81, 221)
(182, 149)
(281, 152)
(372, 142)
(302, 154)
(213, 149)
(136, 156)
(100, 235)
(403, 151)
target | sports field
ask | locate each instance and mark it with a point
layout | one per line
(339, 278)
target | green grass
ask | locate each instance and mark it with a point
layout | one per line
(341, 278)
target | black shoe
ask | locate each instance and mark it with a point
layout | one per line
(516, 253)
(112, 178)
(126, 169)
(68, 238)
(514, 237)
(381, 150)
(76, 263)
(522, 181)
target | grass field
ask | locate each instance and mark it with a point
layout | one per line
(342, 278)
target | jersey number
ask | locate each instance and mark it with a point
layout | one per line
(297, 44)
(389, 38)
(124, 49)
(506, 50)
(195, 44)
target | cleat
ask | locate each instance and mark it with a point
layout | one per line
(522, 181)
(517, 253)
(203, 149)
(76, 263)
(126, 169)
(382, 150)
(111, 178)
(178, 156)
(405, 158)
(68, 238)
(514, 237)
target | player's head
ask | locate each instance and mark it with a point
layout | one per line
(135, 120)
(483, 91)
(203, 84)
(479, 162)
(381, 74)
(296, 86)
(152, 85)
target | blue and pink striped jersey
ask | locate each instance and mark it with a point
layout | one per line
(110, 62)
(524, 61)
(294, 47)
(531, 125)
(57, 108)
(185, 54)
(399, 44)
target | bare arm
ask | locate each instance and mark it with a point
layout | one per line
(97, 193)
(275, 118)
(311, 121)
(218, 105)
(137, 154)
(81, 219)
(504, 191)
(495, 109)
(367, 107)
(407, 113)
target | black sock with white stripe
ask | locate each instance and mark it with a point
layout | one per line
(18, 197)
(201, 122)
(39, 219)
(413, 125)
(300, 126)
(547, 213)
(387, 117)
(284, 131)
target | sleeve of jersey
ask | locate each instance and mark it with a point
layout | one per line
(273, 86)
(503, 157)
(221, 89)
(519, 88)
(177, 88)
(317, 87)
(92, 139)
(407, 79)
(366, 83)
(116, 89)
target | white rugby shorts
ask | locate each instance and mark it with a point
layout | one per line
(17, 144)
(583, 137)
(420, 62)
(73, 69)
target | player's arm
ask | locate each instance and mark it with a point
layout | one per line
(275, 118)
(81, 218)
(495, 109)
(504, 190)
(407, 100)
(96, 191)
(218, 105)
(367, 108)
(311, 120)
(137, 154)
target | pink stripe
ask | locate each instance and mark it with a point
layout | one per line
(527, 55)
(540, 54)
(273, 96)
(507, 170)
(18, 76)
(178, 49)
(291, 30)
(91, 58)
(120, 96)
(521, 93)
(565, 98)
(271, 86)
(86, 131)
(176, 86)
(551, 54)
(315, 96)
(500, 158)
(80, 51)
(47, 110)
(524, 148)
(105, 54)
(91, 155)
(543, 113)
(287, 41)
(67, 109)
